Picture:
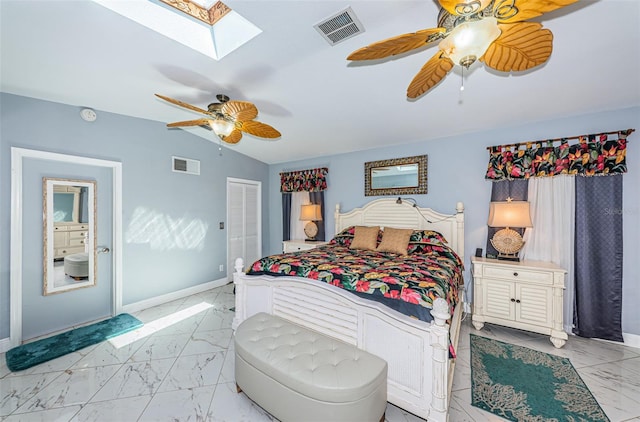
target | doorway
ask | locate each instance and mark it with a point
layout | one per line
(244, 222)
(31, 312)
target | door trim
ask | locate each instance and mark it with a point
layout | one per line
(18, 155)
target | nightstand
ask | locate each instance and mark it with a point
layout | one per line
(525, 295)
(300, 245)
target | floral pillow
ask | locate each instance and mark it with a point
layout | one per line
(420, 241)
(344, 238)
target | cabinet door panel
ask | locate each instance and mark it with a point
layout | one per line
(535, 304)
(497, 297)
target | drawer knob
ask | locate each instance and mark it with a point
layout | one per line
(513, 300)
(517, 300)
(515, 274)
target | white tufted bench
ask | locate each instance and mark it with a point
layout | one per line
(297, 374)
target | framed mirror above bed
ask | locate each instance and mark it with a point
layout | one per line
(398, 176)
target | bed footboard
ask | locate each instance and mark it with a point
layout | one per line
(417, 353)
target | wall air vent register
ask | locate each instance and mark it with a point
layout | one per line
(185, 165)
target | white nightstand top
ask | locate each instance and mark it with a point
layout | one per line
(518, 264)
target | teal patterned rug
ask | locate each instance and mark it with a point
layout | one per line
(522, 384)
(34, 353)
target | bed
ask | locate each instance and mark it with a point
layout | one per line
(417, 352)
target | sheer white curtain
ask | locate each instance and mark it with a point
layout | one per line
(297, 226)
(552, 236)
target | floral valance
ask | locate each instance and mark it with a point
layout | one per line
(312, 180)
(598, 154)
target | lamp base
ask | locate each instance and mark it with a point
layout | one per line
(508, 243)
(505, 257)
(310, 230)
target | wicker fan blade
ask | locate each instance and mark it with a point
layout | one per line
(521, 10)
(396, 45)
(521, 46)
(182, 104)
(431, 73)
(463, 7)
(240, 110)
(234, 137)
(199, 122)
(259, 129)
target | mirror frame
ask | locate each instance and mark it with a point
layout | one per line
(419, 188)
(48, 230)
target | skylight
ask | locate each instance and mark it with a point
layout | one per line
(214, 30)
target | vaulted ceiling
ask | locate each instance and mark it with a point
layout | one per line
(84, 54)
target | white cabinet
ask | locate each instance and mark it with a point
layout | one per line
(69, 238)
(300, 245)
(525, 295)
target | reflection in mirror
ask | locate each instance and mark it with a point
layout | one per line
(69, 234)
(399, 176)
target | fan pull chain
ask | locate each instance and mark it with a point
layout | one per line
(220, 146)
(462, 80)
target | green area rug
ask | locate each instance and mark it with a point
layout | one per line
(522, 384)
(31, 354)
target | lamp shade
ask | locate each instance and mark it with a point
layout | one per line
(310, 212)
(222, 127)
(509, 214)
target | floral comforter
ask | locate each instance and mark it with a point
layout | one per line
(408, 284)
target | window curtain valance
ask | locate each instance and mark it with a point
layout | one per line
(312, 180)
(592, 155)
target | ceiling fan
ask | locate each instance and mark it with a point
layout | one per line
(228, 119)
(491, 31)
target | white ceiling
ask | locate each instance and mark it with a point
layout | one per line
(83, 54)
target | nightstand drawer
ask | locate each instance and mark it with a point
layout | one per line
(518, 274)
(300, 245)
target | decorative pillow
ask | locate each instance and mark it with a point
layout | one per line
(426, 236)
(344, 238)
(422, 240)
(365, 238)
(395, 241)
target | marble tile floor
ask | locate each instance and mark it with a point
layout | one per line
(184, 372)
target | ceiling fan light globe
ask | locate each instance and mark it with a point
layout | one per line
(469, 40)
(222, 128)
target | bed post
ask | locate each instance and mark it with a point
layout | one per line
(440, 344)
(239, 290)
(336, 219)
(460, 229)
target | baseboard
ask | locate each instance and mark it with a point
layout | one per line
(5, 345)
(631, 340)
(159, 300)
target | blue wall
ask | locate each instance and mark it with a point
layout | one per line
(456, 168)
(154, 266)
(155, 263)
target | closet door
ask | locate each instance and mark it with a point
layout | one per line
(244, 217)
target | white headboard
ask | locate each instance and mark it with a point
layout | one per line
(388, 213)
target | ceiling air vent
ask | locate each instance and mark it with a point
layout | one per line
(339, 27)
(186, 165)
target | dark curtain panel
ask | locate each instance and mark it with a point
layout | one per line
(286, 216)
(318, 198)
(598, 258)
(84, 205)
(516, 189)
